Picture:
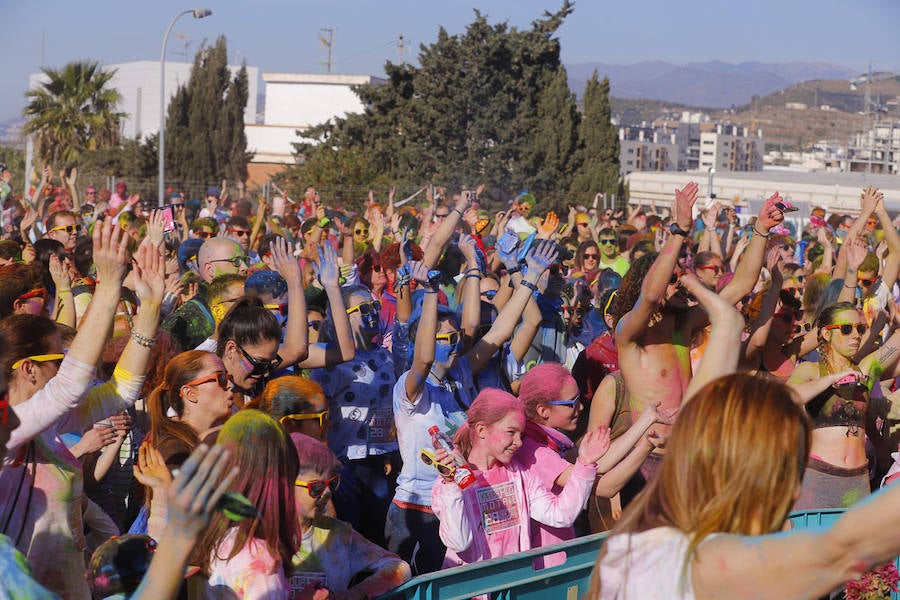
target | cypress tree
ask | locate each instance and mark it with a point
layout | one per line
(598, 170)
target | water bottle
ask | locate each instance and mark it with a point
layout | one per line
(462, 475)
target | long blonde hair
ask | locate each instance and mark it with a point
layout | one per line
(736, 455)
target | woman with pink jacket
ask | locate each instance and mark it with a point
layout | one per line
(490, 517)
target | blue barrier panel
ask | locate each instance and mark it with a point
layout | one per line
(515, 578)
(825, 519)
(511, 577)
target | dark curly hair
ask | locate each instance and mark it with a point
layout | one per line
(630, 289)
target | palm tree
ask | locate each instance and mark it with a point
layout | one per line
(73, 111)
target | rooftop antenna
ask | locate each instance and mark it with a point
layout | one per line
(186, 43)
(400, 49)
(327, 42)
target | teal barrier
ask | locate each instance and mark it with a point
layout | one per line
(515, 577)
(825, 519)
(511, 577)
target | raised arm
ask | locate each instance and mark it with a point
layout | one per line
(747, 271)
(344, 349)
(854, 251)
(423, 354)
(805, 564)
(723, 347)
(653, 289)
(892, 263)
(471, 315)
(539, 259)
(296, 337)
(445, 230)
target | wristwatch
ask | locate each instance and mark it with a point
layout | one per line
(675, 229)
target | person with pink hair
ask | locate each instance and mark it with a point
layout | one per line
(490, 517)
(552, 404)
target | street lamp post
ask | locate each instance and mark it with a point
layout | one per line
(198, 13)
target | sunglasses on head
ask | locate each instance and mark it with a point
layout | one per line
(366, 308)
(57, 358)
(607, 241)
(316, 487)
(428, 458)
(847, 328)
(35, 293)
(68, 228)
(261, 367)
(239, 232)
(236, 261)
(321, 417)
(282, 309)
(220, 377)
(451, 337)
(570, 403)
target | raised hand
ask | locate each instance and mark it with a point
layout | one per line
(540, 257)
(28, 220)
(870, 197)
(59, 273)
(72, 178)
(156, 229)
(856, 253)
(594, 445)
(110, 258)
(418, 271)
(151, 469)
(194, 492)
(709, 217)
(468, 247)
(548, 226)
(284, 263)
(684, 205)
(327, 270)
(774, 261)
(405, 241)
(149, 274)
(95, 438)
(769, 215)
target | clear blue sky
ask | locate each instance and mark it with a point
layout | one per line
(282, 35)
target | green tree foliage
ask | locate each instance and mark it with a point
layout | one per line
(72, 112)
(488, 106)
(205, 139)
(598, 160)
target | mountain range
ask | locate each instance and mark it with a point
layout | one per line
(712, 84)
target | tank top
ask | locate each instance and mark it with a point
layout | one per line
(840, 407)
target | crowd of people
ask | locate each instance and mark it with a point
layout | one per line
(252, 399)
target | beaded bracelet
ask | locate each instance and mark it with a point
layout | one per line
(142, 340)
(531, 286)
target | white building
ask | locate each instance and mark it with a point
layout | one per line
(731, 148)
(138, 83)
(297, 101)
(876, 150)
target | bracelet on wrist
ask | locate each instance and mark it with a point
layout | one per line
(142, 340)
(65, 291)
(765, 236)
(512, 270)
(473, 270)
(473, 276)
(531, 286)
(850, 287)
(458, 211)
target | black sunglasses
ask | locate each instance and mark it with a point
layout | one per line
(316, 325)
(261, 367)
(847, 328)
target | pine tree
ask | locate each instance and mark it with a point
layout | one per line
(490, 105)
(205, 139)
(598, 170)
